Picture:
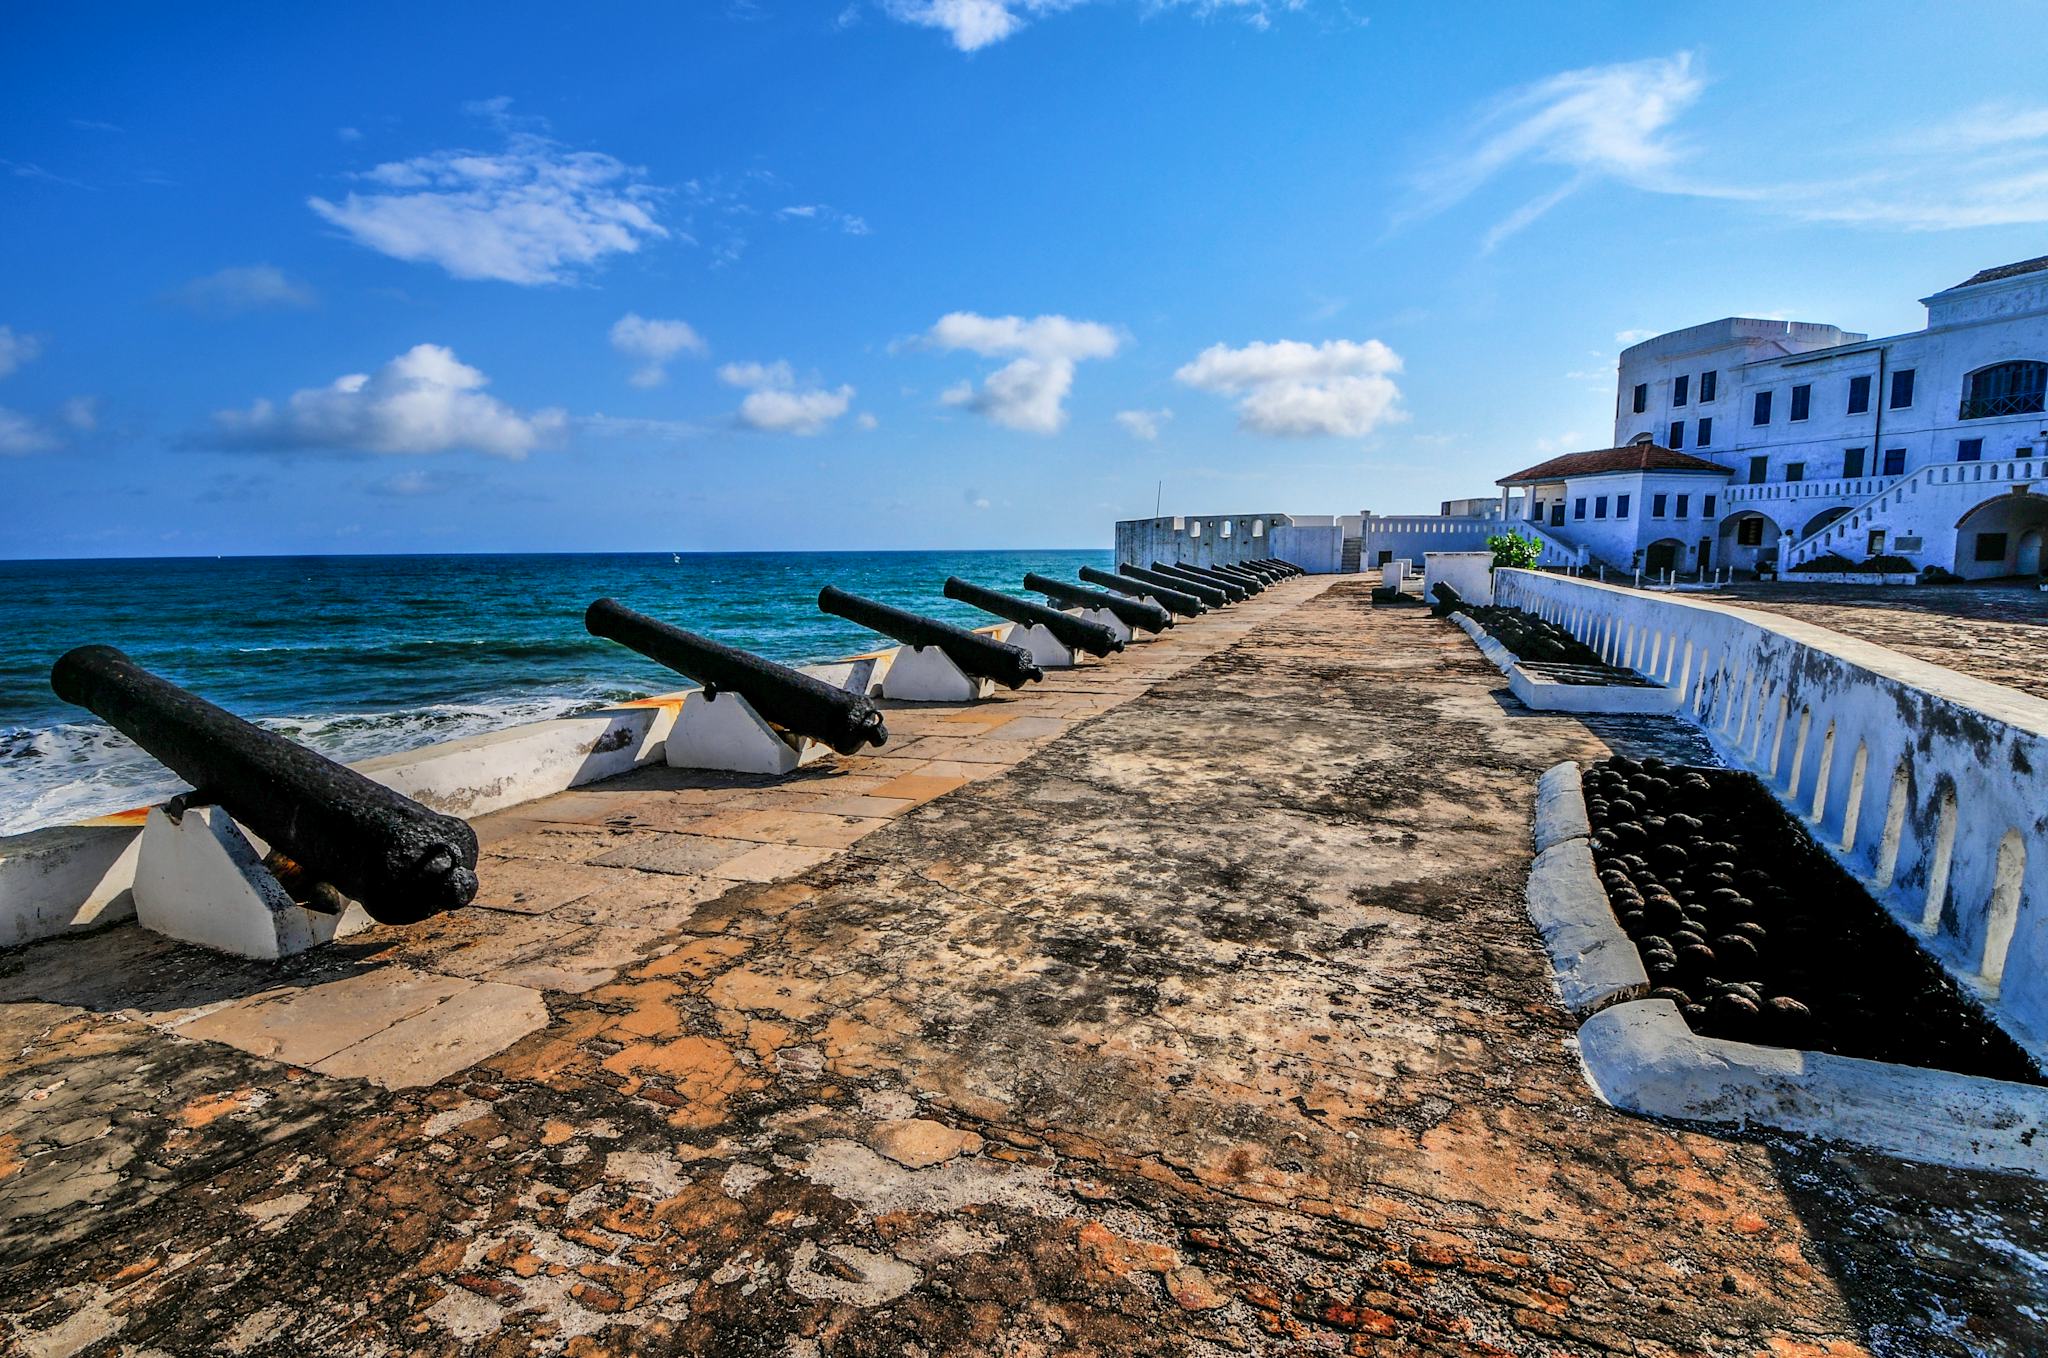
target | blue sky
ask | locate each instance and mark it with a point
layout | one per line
(924, 273)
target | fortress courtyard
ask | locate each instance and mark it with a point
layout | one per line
(1184, 1004)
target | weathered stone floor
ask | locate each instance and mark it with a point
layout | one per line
(1180, 1005)
(1995, 631)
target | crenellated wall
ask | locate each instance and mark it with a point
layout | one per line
(1929, 786)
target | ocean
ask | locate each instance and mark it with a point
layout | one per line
(366, 655)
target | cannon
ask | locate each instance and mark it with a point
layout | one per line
(1244, 580)
(1257, 578)
(1070, 631)
(1265, 571)
(788, 697)
(975, 655)
(1232, 594)
(401, 860)
(1284, 567)
(1176, 601)
(1448, 600)
(1212, 595)
(1135, 614)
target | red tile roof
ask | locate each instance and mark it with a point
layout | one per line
(2006, 271)
(1636, 457)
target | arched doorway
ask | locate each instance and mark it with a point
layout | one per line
(1665, 554)
(1747, 540)
(2002, 536)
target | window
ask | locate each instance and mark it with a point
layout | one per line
(1677, 434)
(1762, 412)
(2004, 389)
(1579, 508)
(1681, 505)
(1852, 462)
(1990, 547)
(1678, 389)
(1707, 507)
(1969, 450)
(1759, 470)
(1557, 515)
(1902, 388)
(1657, 505)
(1599, 506)
(1750, 532)
(1895, 462)
(1802, 400)
(1706, 432)
(1621, 506)
(1709, 385)
(1642, 397)
(1859, 394)
(1795, 471)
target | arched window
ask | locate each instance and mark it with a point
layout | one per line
(2013, 388)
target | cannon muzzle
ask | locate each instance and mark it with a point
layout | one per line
(1178, 601)
(1075, 633)
(402, 860)
(1136, 614)
(788, 697)
(975, 654)
(1243, 575)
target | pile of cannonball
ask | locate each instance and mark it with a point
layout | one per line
(1534, 638)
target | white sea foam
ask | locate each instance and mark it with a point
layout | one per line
(58, 774)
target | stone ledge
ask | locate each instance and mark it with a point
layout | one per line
(1561, 806)
(1591, 959)
(1642, 1057)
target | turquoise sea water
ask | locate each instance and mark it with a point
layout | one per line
(365, 655)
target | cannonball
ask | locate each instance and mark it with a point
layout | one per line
(1673, 994)
(1785, 1007)
(1732, 1006)
(1696, 955)
(1736, 947)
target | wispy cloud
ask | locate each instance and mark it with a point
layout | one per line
(1584, 126)
(20, 435)
(1985, 166)
(1030, 391)
(424, 401)
(778, 403)
(17, 348)
(1143, 424)
(249, 287)
(971, 25)
(654, 343)
(1289, 387)
(531, 212)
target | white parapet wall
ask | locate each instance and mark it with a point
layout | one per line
(1929, 786)
(1469, 573)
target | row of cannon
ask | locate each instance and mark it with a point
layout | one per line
(338, 832)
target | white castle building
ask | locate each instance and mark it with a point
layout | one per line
(1747, 442)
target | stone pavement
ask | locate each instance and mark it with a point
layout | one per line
(1183, 1004)
(1997, 631)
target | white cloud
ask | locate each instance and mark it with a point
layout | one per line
(424, 401)
(777, 403)
(975, 24)
(867, 420)
(16, 349)
(1143, 424)
(248, 287)
(1030, 391)
(655, 343)
(20, 435)
(349, 133)
(534, 212)
(1602, 122)
(1636, 336)
(81, 413)
(1294, 388)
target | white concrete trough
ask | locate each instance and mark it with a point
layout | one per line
(1569, 688)
(1640, 1054)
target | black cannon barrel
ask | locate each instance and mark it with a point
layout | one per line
(1245, 580)
(402, 860)
(788, 697)
(1239, 571)
(1132, 613)
(1283, 568)
(1077, 633)
(974, 653)
(1196, 579)
(1179, 601)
